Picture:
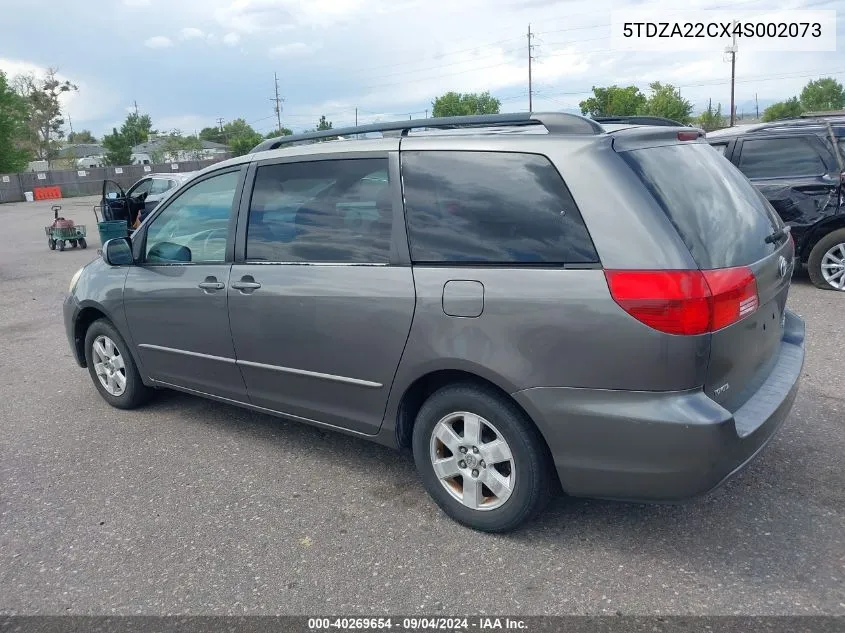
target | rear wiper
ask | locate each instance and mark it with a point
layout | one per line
(778, 235)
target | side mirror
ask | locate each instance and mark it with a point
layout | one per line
(118, 252)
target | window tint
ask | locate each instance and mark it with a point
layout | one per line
(334, 211)
(160, 185)
(721, 217)
(720, 147)
(198, 220)
(491, 207)
(140, 188)
(775, 157)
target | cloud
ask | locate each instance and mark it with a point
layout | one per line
(253, 16)
(231, 39)
(296, 49)
(158, 41)
(136, 3)
(190, 32)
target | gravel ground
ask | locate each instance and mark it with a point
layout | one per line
(193, 507)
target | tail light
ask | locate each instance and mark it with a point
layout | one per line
(688, 136)
(685, 302)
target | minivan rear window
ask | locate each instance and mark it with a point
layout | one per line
(721, 217)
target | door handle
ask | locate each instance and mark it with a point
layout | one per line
(211, 283)
(246, 284)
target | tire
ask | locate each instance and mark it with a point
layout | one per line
(815, 261)
(134, 393)
(52, 244)
(528, 471)
(82, 243)
(73, 243)
(61, 244)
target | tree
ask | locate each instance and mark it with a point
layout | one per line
(13, 129)
(83, 136)
(783, 110)
(118, 148)
(283, 132)
(823, 94)
(711, 119)
(212, 134)
(176, 147)
(45, 111)
(137, 128)
(458, 104)
(240, 137)
(323, 124)
(665, 101)
(614, 101)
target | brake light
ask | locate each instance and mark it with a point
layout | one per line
(688, 136)
(685, 302)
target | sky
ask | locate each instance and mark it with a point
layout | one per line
(189, 62)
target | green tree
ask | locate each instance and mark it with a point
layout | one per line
(13, 129)
(783, 110)
(711, 119)
(212, 134)
(323, 124)
(283, 132)
(83, 136)
(823, 94)
(458, 104)
(137, 128)
(240, 137)
(118, 148)
(45, 111)
(614, 101)
(177, 147)
(665, 100)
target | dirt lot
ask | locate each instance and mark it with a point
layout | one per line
(189, 506)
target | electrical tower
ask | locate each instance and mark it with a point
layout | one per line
(278, 104)
(530, 60)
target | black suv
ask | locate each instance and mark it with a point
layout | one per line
(798, 167)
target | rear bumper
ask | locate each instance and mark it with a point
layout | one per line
(661, 446)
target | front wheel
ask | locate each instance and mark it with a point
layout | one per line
(826, 264)
(61, 244)
(82, 243)
(481, 459)
(112, 368)
(73, 243)
(51, 243)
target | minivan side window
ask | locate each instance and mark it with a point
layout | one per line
(195, 226)
(778, 157)
(491, 207)
(330, 211)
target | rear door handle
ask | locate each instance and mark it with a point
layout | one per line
(246, 285)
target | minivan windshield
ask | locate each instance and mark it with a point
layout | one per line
(720, 215)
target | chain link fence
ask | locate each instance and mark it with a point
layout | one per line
(89, 181)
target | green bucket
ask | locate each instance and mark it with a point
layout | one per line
(112, 229)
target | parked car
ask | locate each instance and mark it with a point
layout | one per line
(484, 299)
(794, 164)
(142, 197)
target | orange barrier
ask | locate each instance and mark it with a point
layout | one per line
(47, 193)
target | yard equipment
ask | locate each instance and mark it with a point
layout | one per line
(63, 231)
(109, 229)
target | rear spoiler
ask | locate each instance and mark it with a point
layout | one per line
(652, 136)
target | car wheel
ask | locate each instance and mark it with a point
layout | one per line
(112, 368)
(480, 458)
(826, 264)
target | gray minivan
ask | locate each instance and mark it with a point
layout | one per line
(525, 301)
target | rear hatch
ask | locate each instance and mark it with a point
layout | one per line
(744, 255)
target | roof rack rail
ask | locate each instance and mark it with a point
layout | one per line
(554, 122)
(639, 120)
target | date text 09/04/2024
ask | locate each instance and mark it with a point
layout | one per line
(416, 624)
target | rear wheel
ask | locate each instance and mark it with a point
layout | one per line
(480, 458)
(82, 243)
(112, 368)
(826, 264)
(51, 243)
(73, 243)
(60, 244)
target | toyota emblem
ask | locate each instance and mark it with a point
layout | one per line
(782, 266)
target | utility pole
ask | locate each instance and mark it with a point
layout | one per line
(136, 107)
(756, 105)
(70, 123)
(220, 124)
(732, 51)
(426, 113)
(278, 108)
(356, 117)
(530, 59)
